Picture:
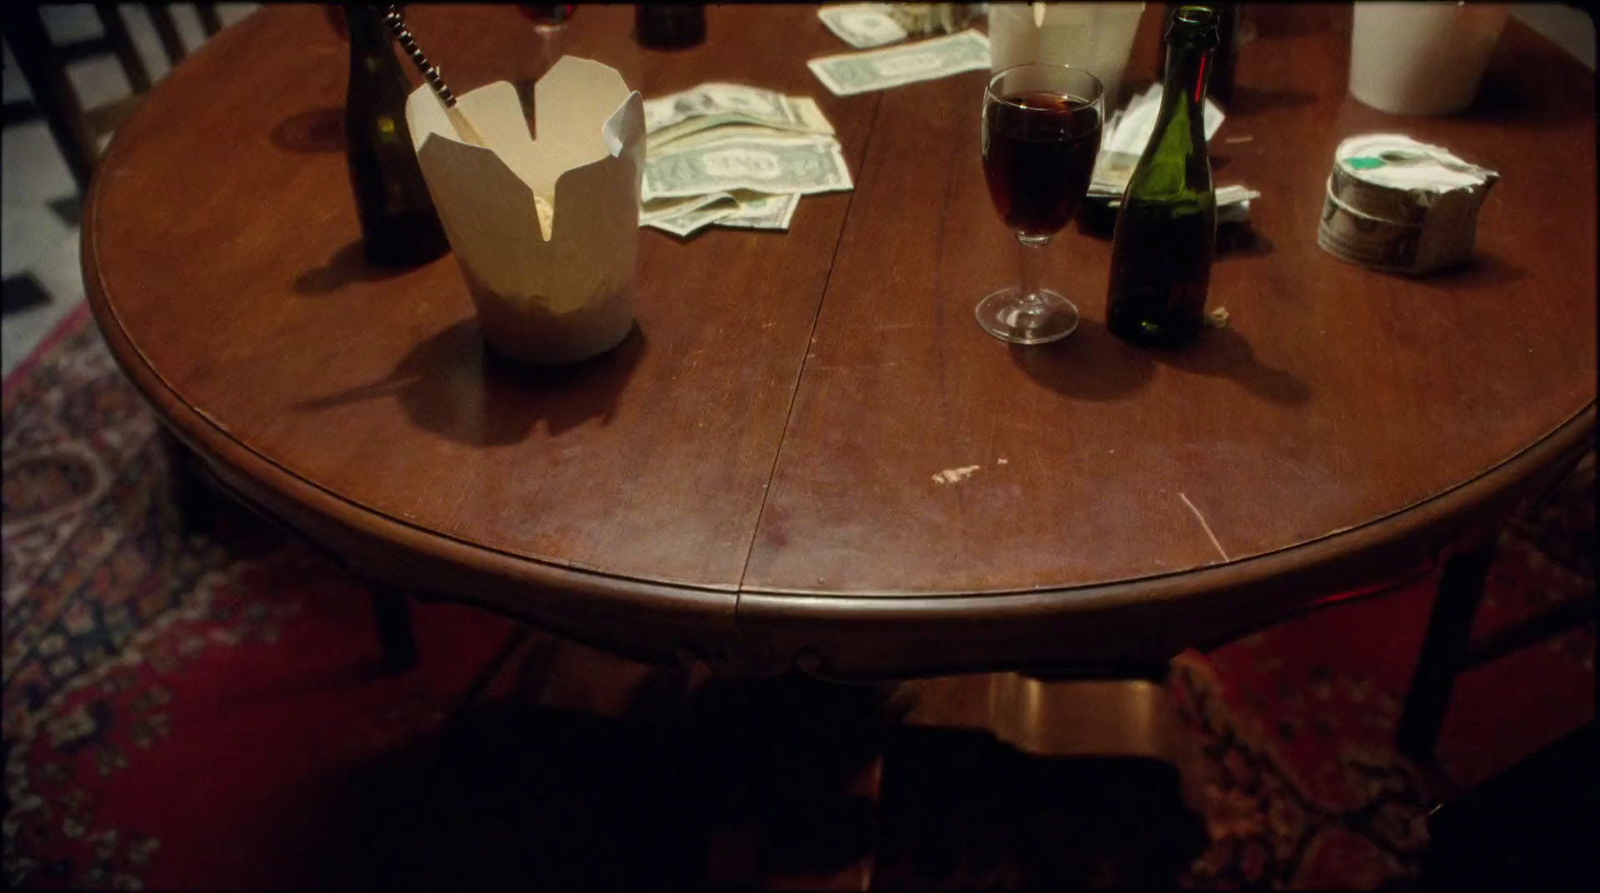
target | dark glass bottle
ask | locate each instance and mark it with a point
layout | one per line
(669, 26)
(398, 223)
(1226, 57)
(1167, 226)
(549, 15)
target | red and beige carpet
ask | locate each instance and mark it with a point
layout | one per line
(205, 711)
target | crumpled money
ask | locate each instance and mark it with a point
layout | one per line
(1123, 139)
(735, 156)
(934, 18)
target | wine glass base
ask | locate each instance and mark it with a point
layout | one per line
(1004, 316)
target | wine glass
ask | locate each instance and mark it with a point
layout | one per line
(1041, 132)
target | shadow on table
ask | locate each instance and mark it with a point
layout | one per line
(454, 385)
(1094, 364)
(1272, 22)
(1235, 240)
(1090, 364)
(1514, 94)
(1485, 270)
(1248, 100)
(315, 130)
(347, 265)
(1225, 353)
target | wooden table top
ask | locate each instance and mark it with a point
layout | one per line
(753, 471)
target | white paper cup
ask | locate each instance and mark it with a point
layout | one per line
(1421, 58)
(1096, 37)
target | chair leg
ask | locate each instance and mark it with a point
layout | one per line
(52, 92)
(396, 641)
(1444, 650)
(208, 18)
(171, 44)
(122, 44)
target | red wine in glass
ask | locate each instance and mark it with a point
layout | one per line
(1038, 154)
(1040, 133)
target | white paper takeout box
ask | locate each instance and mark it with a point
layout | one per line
(560, 289)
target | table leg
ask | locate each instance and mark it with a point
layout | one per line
(987, 760)
(1130, 716)
(195, 501)
(1444, 648)
(1051, 716)
(395, 638)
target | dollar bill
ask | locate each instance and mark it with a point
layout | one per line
(1226, 196)
(687, 223)
(672, 117)
(730, 132)
(1233, 203)
(742, 210)
(1112, 170)
(811, 116)
(862, 25)
(758, 165)
(850, 73)
(715, 98)
(735, 156)
(757, 211)
(1124, 138)
(667, 208)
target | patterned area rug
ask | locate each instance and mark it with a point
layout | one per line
(205, 711)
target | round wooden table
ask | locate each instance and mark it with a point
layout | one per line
(755, 475)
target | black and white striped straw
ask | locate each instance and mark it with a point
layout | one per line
(430, 72)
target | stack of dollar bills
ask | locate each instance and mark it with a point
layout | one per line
(866, 25)
(735, 156)
(1123, 139)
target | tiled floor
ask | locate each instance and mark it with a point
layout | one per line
(39, 226)
(39, 203)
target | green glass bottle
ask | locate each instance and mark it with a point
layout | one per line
(399, 225)
(1230, 29)
(1167, 226)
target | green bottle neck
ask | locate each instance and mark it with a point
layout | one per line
(375, 70)
(369, 34)
(1173, 166)
(1184, 88)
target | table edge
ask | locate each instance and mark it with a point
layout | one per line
(507, 579)
(216, 445)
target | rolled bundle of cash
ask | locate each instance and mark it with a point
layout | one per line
(933, 18)
(1397, 204)
(1123, 139)
(735, 156)
(866, 25)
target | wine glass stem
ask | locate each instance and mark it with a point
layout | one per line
(1030, 266)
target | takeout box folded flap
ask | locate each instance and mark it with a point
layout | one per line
(588, 161)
